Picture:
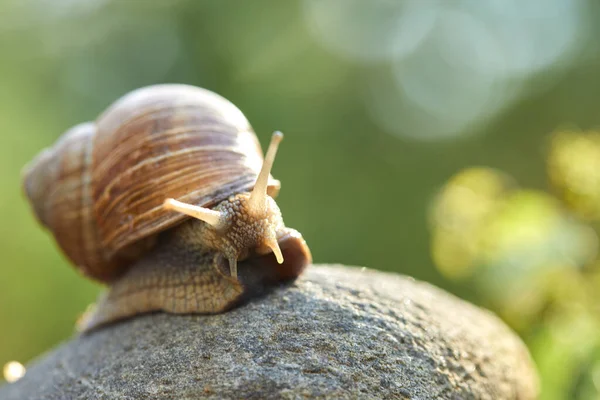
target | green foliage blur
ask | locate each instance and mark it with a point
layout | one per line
(418, 140)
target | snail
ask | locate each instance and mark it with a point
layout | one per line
(167, 200)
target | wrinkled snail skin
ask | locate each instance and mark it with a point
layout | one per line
(167, 199)
(181, 276)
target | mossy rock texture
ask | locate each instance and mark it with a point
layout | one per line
(337, 332)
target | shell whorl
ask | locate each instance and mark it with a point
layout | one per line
(57, 185)
(101, 187)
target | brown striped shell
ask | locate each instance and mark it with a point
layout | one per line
(101, 187)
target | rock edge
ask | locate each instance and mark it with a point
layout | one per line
(337, 332)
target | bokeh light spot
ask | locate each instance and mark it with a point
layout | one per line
(481, 221)
(459, 214)
(371, 31)
(13, 371)
(574, 169)
(455, 64)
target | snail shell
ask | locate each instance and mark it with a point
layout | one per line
(101, 191)
(101, 187)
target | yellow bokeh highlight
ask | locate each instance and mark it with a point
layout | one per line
(459, 214)
(526, 219)
(533, 255)
(480, 220)
(574, 170)
(13, 371)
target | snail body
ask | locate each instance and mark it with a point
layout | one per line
(165, 197)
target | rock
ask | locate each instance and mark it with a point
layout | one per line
(338, 332)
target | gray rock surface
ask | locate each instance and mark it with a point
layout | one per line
(338, 332)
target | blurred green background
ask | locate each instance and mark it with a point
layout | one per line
(447, 140)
